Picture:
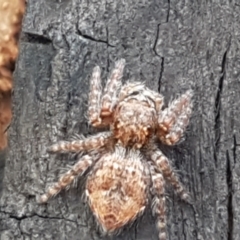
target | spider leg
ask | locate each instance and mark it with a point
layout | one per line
(173, 120)
(87, 144)
(78, 169)
(163, 164)
(95, 97)
(111, 89)
(159, 203)
(100, 107)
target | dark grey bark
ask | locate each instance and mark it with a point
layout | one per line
(172, 46)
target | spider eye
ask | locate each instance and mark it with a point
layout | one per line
(134, 93)
(150, 129)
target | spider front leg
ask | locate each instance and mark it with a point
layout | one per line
(173, 120)
(95, 97)
(87, 144)
(159, 203)
(67, 179)
(111, 90)
(100, 107)
(163, 164)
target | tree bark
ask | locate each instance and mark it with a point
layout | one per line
(172, 46)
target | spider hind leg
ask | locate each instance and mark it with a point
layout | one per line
(159, 203)
(67, 179)
(163, 164)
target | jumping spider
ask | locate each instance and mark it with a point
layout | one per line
(127, 168)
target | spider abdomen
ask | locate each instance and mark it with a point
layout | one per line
(117, 189)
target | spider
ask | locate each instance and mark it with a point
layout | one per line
(127, 171)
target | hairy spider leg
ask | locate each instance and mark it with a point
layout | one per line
(159, 203)
(174, 119)
(78, 169)
(95, 97)
(100, 107)
(111, 89)
(87, 144)
(163, 164)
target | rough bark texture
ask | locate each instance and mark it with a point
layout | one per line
(172, 46)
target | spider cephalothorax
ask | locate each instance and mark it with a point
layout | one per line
(127, 168)
(135, 120)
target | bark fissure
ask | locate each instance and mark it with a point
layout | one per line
(229, 199)
(217, 124)
(155, 42)
(155, 51)
(234, 148)
(160, 75)
(35, 38)
(168, 11)
(183, 227)
(108, 60)
(79, 32)
(18, 218)
(162, 59)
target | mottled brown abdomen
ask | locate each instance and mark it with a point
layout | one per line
(117, 189)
